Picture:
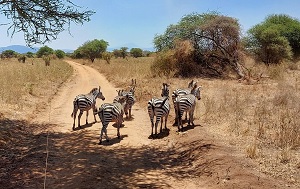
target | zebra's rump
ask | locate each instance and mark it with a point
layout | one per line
(110, 112)
(178, 92)
(185, 102)
(158, 106)
(83, 102)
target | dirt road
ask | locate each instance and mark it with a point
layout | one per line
(189, 160)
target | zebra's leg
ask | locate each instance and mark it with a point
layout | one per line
(166, 120)
(105, 131)
(101, 134)
(79, 117)
(152, 126)
(161, 123)
(95, 112)
(156, 123)
(118, 129)
(180, 126)
(74, 117)
(87, 115)
(129, 112)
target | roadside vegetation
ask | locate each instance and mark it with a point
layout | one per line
(23, 84)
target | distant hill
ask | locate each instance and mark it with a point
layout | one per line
(19, 49)
(24, 49)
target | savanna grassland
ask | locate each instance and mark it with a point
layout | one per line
(258, 116)
(23, 85)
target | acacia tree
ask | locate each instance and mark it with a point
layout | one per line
(44, 51)
(41, 20)
(275, 39)
(93, 49)
(215, 41)
(136, 52)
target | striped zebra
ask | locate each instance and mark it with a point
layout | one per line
(159, 107)
(85, 102)
(131, 98)
(112, 112)
(186, 103)
(192, 84)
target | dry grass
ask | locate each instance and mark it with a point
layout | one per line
(23, 84)
(261, 119)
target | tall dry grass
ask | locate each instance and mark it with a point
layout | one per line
(21, 83)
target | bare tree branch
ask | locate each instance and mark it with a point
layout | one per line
(41, 20)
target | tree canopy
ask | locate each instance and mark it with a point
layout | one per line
(44, 51)
(41, 20)
(93, 49)
(212, 44)
(136, 52)
(275, 39)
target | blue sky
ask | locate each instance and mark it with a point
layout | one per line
(134, 23)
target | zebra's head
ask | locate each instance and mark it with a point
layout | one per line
(121, 99)
(132, 86)
(165, 90)
(197, 92)
(100, 95)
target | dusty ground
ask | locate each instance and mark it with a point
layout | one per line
(57, 157)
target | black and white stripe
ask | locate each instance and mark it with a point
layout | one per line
(186, 103)
(84, 102)
(112, 112)
(159, 107)
(191, 85)
(131, 98)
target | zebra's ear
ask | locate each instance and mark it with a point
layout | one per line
(99, 87)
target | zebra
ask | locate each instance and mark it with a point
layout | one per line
(85, 102)
(159, 107)
(112, 112)
(192, 84)
(131, 98)
(186, 103)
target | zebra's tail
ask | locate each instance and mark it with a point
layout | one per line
(151, 104)
(163, 102)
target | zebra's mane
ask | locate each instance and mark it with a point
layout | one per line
(93, 90)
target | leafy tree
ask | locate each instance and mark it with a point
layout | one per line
(136, 52)
(9, 54)
(93, 49)
(117, 53)
(275, 39)
(124, 51)
(41, 21)
(60, 54)
(30, 54)
(77, 53)
(210, 44)
(44, 51)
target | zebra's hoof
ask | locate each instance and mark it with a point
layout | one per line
(107, 140)
(100, 142)
(119, 137)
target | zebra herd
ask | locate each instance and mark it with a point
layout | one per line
(184, 100)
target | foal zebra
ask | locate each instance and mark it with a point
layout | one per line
(159, 107)
(112, 112)
(84, 102)
(186, 103)
(179, 91)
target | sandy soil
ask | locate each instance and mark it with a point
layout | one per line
(73, 159)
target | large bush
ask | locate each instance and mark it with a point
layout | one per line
(275, 39)
(210, 44)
